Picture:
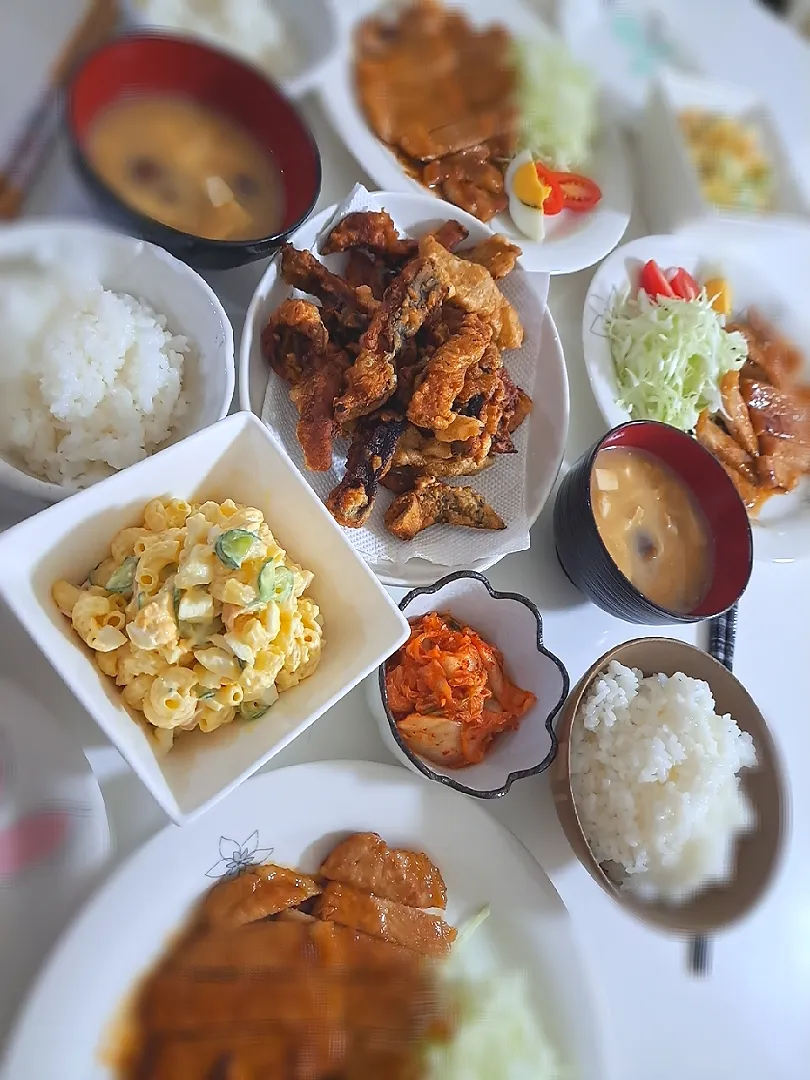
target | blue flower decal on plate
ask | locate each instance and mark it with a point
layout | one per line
(235, 857)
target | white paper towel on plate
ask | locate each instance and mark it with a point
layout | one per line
(503, 485)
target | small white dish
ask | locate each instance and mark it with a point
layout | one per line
(671, 192)
(294, 817)
(313, 27)
(782, 530)
(128, 265)
(512, 624)
(54, 837)
(573, 241)
(238, 459)
(544, 432)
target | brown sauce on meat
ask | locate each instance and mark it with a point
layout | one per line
(439, 92)
(269, 991)
(652, 527)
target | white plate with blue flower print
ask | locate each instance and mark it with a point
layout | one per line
(293, 817)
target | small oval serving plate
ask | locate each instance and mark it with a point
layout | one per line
(513, 625)
(573, 241)
(782, 530)
(539, 457)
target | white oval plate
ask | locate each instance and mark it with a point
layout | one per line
(573, 241)
(295, 815)
(782, 530)
(546, 427)
(54, 838)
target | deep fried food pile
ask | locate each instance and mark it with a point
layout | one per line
(307, 977)
(403, 355)
(438, 91)
(762, 438)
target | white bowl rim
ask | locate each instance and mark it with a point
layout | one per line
(418, 762)
(25, 482)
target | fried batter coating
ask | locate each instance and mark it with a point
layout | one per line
(314, 398)
(451, 234)
(431, 405)
(303, 271)
(427, 456)
(370, 229)
(434, 503)
(293, 334)
(496, 254)
(370, 455)
(408, 301)
(472, 288)
(368, 271)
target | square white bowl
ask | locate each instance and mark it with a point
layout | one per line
(670, 187)
(236, 458)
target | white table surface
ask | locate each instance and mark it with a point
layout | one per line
(749, 1019)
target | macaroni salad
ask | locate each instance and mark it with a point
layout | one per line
(198, 615)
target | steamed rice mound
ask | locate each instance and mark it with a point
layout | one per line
(91, 381)
(654, 773)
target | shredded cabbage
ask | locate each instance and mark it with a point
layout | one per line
(498, 1035)
(669, 356)
(557, 99)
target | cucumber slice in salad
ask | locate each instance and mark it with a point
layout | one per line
(122, 579)
(275, 583)
(233, 547)
(252, 710)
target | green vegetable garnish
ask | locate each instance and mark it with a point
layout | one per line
(275, 583)
(558, 104)
(197, 633)
(252, 710)
(233, 547)
(203, 693)
(176, 594)
(669, 356)
(122, 578)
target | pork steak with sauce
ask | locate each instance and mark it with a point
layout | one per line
(365, 861)
(427, 934)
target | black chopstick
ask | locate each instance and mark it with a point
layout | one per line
(722, 638)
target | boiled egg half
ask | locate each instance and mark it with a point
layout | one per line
(527, 193)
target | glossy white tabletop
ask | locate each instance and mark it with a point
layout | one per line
(749, 1019)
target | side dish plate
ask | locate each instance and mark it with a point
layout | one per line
(573, 241)
(295, 815)
(541, 440)
(782, 530)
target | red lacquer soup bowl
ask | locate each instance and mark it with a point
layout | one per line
(585, 558)
(159, 65)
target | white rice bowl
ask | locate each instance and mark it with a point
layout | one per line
(91, 381)
(655, 779)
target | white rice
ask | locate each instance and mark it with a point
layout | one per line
(654, 773)
(90, 381)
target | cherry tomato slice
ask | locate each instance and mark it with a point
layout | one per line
(580, 193)
(555, 200)
(653, 281)
(684, 285)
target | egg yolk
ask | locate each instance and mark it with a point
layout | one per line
(529, 188)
